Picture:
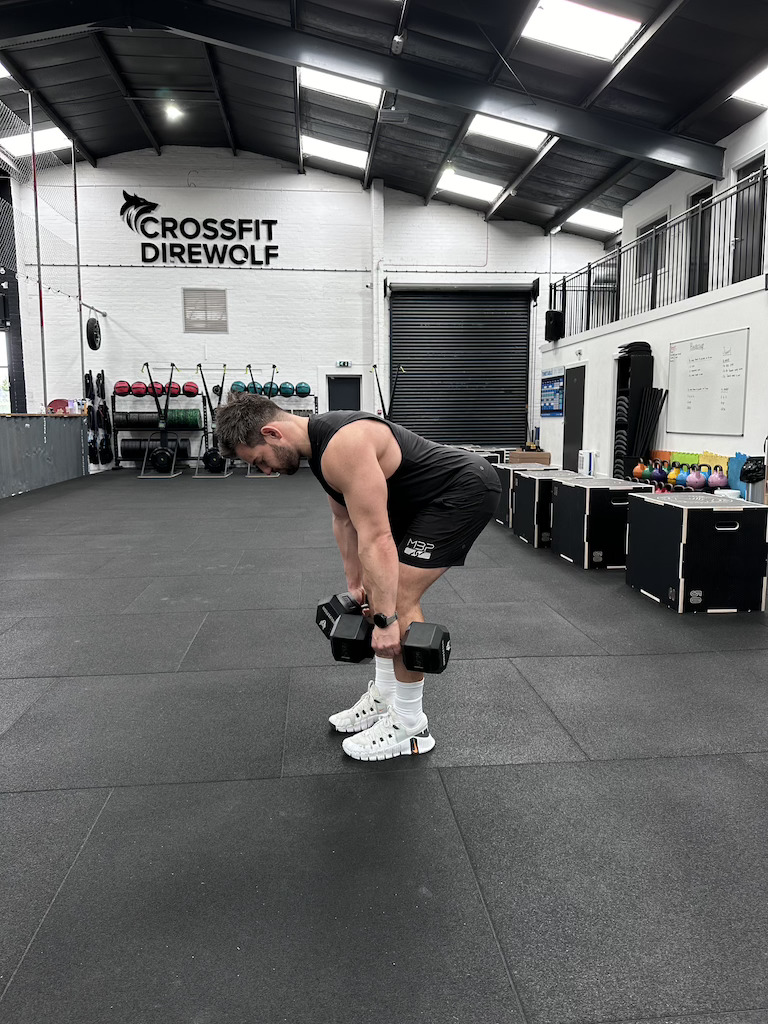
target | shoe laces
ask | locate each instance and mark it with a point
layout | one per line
(367, 702)
(384, 730)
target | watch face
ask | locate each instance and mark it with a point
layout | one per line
(381, 621)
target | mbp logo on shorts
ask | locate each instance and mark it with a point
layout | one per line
(418, 548)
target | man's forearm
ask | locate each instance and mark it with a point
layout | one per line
(346, 538)
(381, 570)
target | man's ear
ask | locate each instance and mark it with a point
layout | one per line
(270, 430)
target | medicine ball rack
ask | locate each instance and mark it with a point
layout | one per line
(118, 417)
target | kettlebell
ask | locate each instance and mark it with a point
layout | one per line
(706, 472)
(682, 476)
(658, 474)
(646, 474)
(717, 479)
(637, 472)
(696, 479)
(673, 474)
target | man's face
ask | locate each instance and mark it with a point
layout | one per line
(270, 456)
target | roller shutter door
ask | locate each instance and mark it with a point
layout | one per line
(465, 361)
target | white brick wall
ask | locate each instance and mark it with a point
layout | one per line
(320, 301)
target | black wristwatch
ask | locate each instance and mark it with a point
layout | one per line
(382, 621)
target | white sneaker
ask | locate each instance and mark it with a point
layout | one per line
(389, 737)
(368, 710)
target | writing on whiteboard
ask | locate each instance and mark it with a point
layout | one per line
(707, 381)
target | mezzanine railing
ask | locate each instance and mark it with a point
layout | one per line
(719, 241)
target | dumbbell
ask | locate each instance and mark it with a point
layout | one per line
(426, 647)
(329, 611)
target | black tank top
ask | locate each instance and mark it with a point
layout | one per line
(427, 468)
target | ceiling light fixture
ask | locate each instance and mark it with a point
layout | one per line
(4, 72)
(172, 112)
(577, 27)
(474, 188)
(594, 219)
(506, 131)
(755, 90)
(335, 85)
(46, 141)
(331, 151)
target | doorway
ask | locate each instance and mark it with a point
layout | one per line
(573, 423)
(699, 240)
(343, 393)
(750, 216)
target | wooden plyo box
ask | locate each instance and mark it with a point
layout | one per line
(589, 520)
(698, 552)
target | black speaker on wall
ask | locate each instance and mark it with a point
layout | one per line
(554, 325)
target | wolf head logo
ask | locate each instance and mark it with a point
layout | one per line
(134, 208)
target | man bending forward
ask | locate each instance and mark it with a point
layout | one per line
(404, 509)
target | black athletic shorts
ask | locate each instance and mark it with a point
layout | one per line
(441, 533)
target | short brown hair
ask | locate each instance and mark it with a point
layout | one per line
(241, 419)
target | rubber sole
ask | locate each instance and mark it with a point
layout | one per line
(414, 745)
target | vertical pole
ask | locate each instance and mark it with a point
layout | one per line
(617, 295)
(654, 267)
(79, 271)
(589, 297)
(37, 244)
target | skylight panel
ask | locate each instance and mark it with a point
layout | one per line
(46, 141)
(332, 151)
(4, 72)
(595, 219)
(474, 188)
(755, 90)
(335, 85)
(506, 131)
(583, 29)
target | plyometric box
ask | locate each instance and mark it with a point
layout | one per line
(507, 475)
(532, 503)
(698, 552)
(589, 520)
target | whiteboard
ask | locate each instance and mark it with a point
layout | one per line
(707, 384)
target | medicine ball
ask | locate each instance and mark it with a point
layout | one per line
(255, 388)
(287, 389)
(271, 389)
(155, 387)
(173, 389)
(238, 387)
(190, 389)
(139, 389)
(303, 389)
(122, 387)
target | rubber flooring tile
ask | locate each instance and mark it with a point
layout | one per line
(71, 597)
(633, 707)
(265, 901)
(72, 645)
(219, 593)
(623, 890)
(480, 713)
(147, 729)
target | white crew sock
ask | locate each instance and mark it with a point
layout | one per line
(408, 703)
(385, 679)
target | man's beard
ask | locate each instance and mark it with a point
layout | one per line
(288, 459)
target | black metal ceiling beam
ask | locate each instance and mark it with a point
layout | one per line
(117, 78)
(219, 97)
(37, 21)
(21, 79)
(296, 97)
(374, 140)
(640, 41)
(513, 186)
(726, 90)
(431, 85)
(498, 67)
